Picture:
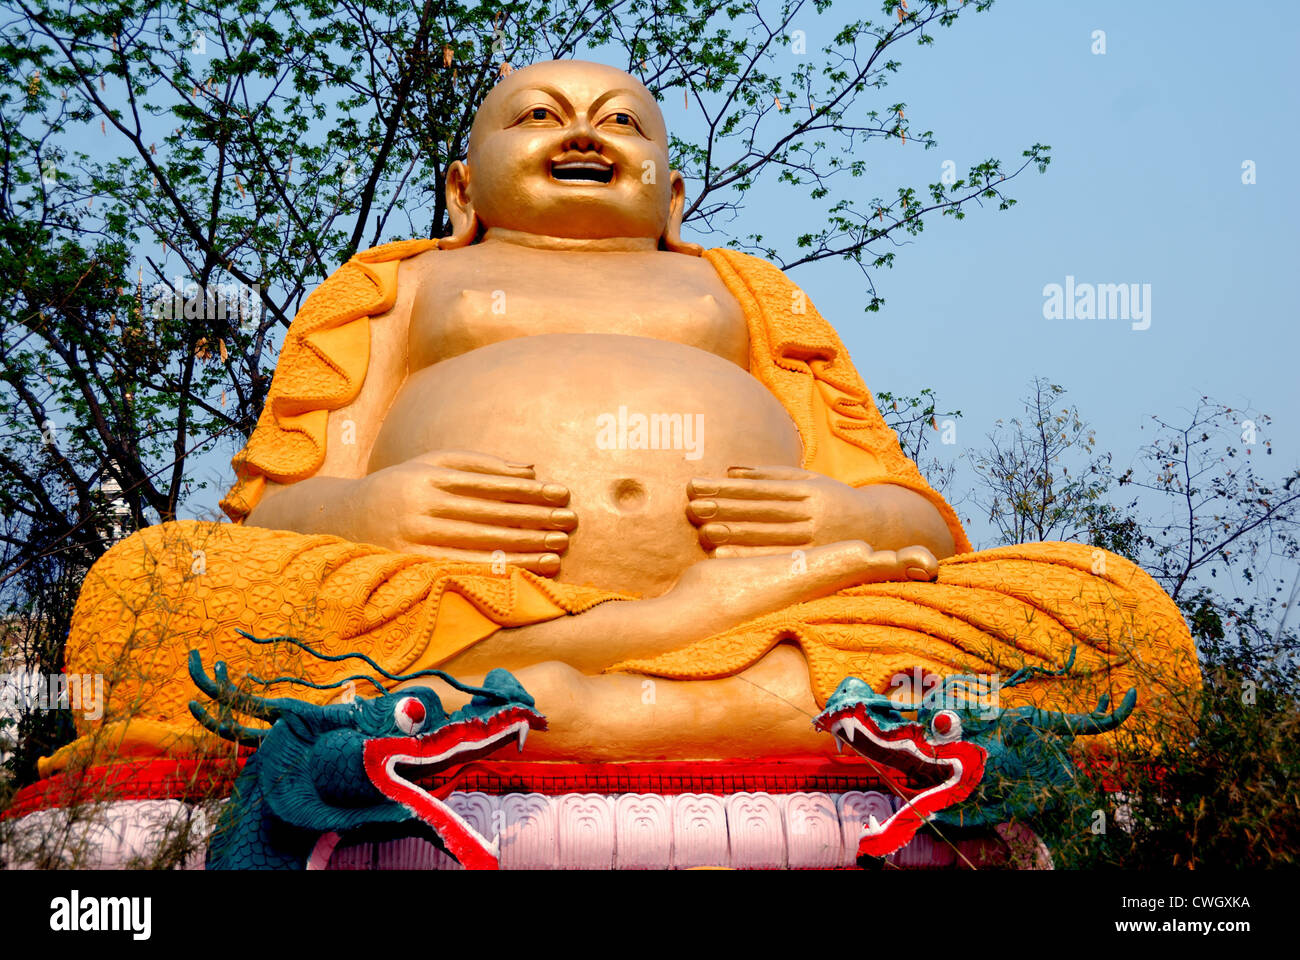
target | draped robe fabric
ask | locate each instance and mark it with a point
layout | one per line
(192, 585)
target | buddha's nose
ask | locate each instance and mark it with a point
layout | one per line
(583, 140)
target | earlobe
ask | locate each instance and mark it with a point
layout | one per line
(672, 238)
(464, 221)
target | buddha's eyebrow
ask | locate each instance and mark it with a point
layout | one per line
(564, 102)
(610, 94)
(551, 92)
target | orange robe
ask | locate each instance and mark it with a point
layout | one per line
(191, 585)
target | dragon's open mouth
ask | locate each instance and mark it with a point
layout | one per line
(935, 775)
(392, 763)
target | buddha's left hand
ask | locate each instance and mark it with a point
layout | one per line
(756, 510)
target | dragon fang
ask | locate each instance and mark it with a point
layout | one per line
(322, 772)
(960, 767)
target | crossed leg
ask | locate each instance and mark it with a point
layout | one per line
(765, 710)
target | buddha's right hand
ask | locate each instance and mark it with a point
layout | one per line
(459, 505)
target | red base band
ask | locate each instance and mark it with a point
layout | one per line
(194, 780)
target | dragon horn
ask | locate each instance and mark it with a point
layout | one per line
(1099, 721)
(200, 676)
(241, 700)
(226, 693)
(1025, 674)
(248, 736)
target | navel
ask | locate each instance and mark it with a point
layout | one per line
(628, 495)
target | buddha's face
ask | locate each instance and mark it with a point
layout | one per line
(569, 149)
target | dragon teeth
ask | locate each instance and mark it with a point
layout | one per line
(523, 735)
(873, 825)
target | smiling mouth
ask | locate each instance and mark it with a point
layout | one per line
(582, 171)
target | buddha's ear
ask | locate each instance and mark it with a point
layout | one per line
(464, 221)
(672, 238)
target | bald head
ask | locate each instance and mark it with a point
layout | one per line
(567, 149)
(573, 84)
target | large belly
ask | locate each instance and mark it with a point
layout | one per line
(623, 422)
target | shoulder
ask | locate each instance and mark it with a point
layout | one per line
(400, 260)
(746, 266)
(740, 259)
(395, 250)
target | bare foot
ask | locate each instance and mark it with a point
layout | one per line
(710, 596)
(742, 588)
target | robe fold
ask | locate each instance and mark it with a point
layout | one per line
(193, 585)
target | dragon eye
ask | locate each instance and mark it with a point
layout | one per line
(409, 715)
(945, 725)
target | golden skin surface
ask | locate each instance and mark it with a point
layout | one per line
(564, 295)
(650, 415)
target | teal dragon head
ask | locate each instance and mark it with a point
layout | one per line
(959, 765)
(322, 772)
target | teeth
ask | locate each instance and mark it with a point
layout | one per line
(523, 735)
(873, 825)
(839, 744)
(581, 165)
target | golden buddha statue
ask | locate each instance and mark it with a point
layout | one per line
(640, 475)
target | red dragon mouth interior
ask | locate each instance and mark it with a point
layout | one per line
(458, 742)
(927, 776)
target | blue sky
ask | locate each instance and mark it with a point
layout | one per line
(1145, 187)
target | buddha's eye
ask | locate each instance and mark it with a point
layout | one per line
(622, 119)
(540, 113)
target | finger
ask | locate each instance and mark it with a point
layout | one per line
(768, 473)
(765, 511)
(737, 489)
(471, 462)
(756, 534)
(729, 550)
(507, 489)
(546, 564)
(501, 514)
(463, 535)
